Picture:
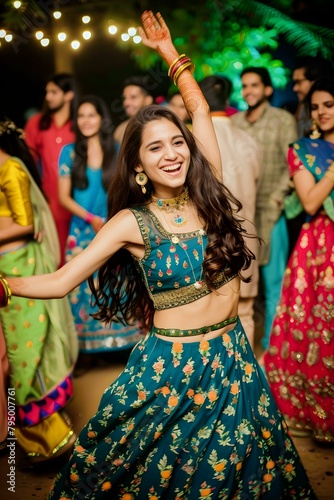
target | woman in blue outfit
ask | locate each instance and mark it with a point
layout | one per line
(191, 416)
(85, 170)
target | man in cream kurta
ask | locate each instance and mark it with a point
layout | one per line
(273, 129)
(241, 160)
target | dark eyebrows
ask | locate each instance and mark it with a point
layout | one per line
(325, 103)
(158, 141)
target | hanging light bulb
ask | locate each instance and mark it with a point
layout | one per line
(39, 35)
(85, 19)
(132, 31)
(86, 35)
(45, 42)
(62, 36)
(136, 39)
(125, 37)
(75, 44)
(8, 37)
(57, 14)
(17, 4)
(112, 29)
(3, 33)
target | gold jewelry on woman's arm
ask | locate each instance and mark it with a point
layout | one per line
(5, 292)
(174, 63)
(186, 65)
(178, 66)
(191, 94)
(330, 172)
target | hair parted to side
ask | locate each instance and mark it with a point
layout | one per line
(79, 172)
(119, 289)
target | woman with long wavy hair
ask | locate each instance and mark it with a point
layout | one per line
(191, 415)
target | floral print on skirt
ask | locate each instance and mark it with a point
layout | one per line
(186, 421)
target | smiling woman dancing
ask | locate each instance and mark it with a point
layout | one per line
(191, 415)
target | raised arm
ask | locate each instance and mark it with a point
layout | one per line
(155, 34)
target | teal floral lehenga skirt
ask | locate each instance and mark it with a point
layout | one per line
(185, 422)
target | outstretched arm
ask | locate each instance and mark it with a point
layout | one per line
(117, 233)
(155, 34)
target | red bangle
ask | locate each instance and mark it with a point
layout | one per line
(89, 217)
(178, 65)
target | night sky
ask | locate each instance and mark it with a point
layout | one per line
(100, 66)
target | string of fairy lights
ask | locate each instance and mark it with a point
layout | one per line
(130, 35)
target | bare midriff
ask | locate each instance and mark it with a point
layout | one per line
(214, 308)
(6, 222)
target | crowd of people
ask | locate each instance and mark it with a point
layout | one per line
(157, 237)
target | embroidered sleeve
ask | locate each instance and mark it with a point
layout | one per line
(66, 158)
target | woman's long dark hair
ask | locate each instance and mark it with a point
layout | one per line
(66, 82)
(13, 143)
(79, 175)
(119, 288)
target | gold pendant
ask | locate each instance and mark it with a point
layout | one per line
(175, 239)
(178, 221)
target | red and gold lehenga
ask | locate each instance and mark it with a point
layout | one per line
(300, 360)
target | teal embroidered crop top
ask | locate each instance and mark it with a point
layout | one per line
(172, 270)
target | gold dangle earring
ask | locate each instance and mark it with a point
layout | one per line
(141, 180)
(315, 134)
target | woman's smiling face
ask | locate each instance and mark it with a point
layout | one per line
(322, 110)
(165, 157)
(89, 121)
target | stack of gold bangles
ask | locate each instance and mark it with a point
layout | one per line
(5, 292)
(330, 172)
(180, 64)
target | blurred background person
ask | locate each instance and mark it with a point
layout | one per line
(46, 133)
(85, 171)
(41, 341)
(300, 360)
(241, 160)
(307, 70)
(274, 129)
(230, 110)
(176, 104)
(135, 95)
